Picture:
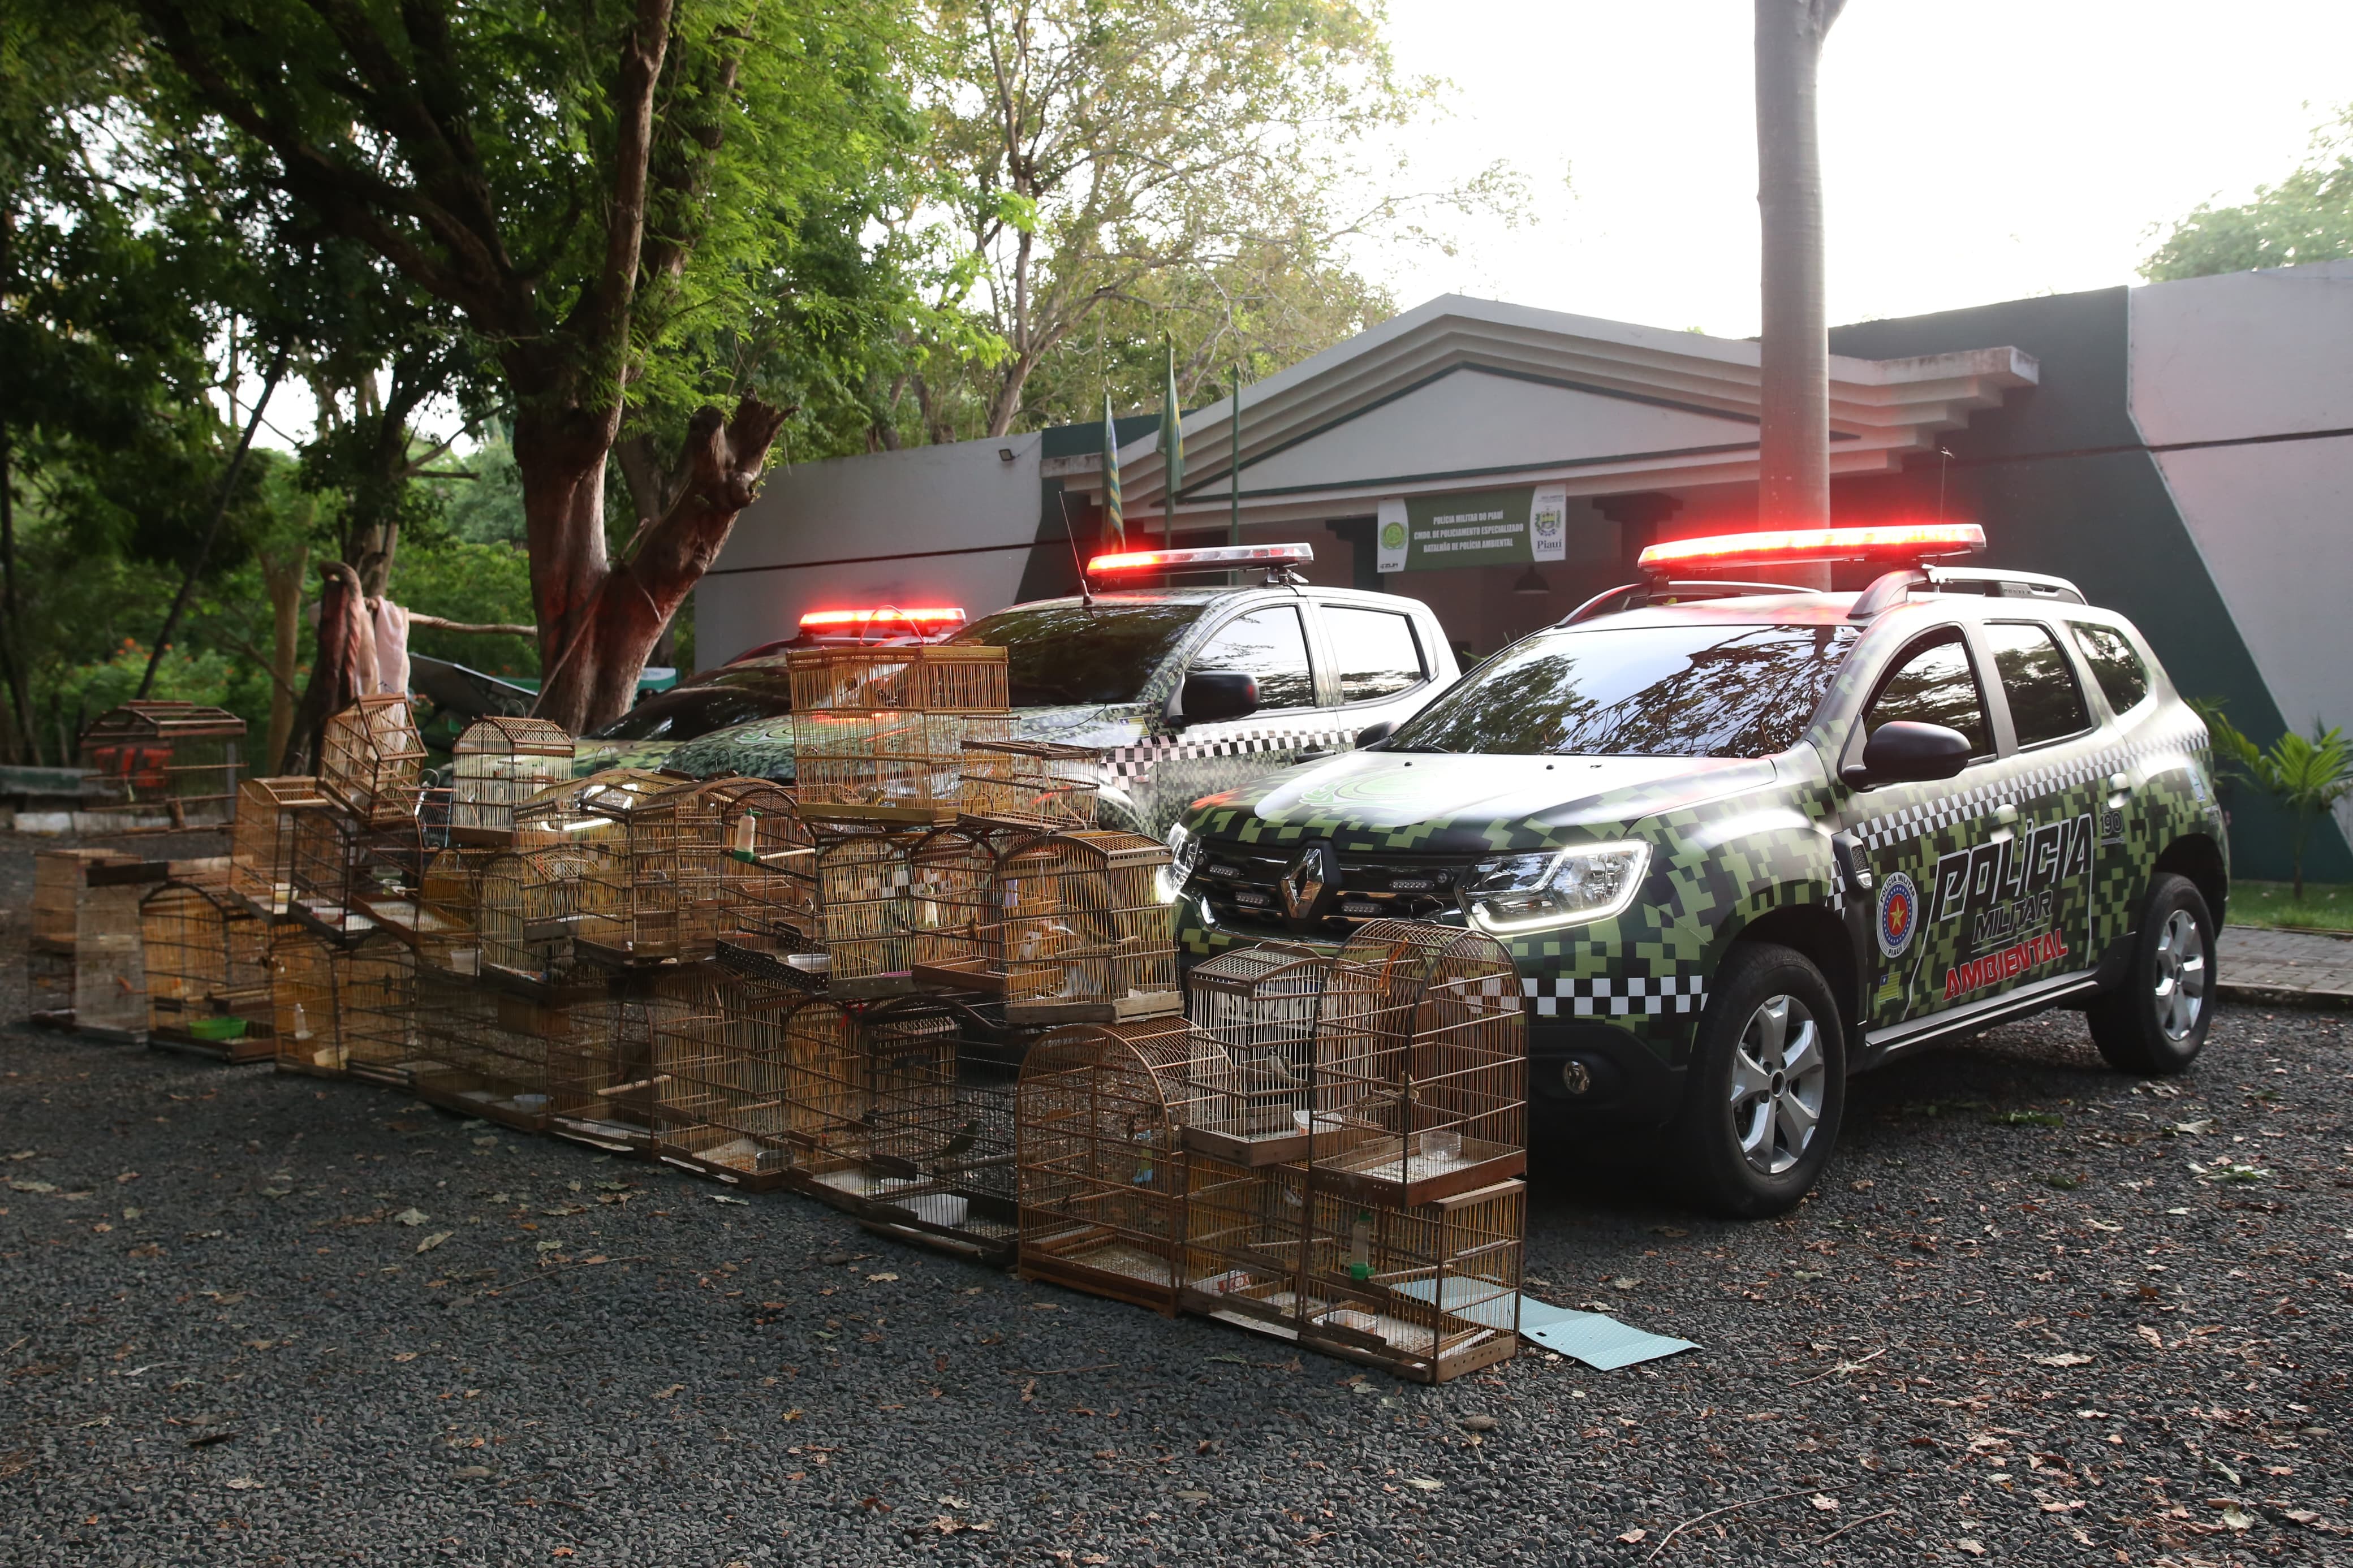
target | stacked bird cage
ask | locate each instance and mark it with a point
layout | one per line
(165, 766)
(1087, 936)
(649, 886)
(880, 732)
(1259, 1005)
(372, 760)
(956, 904)
(497, 764)
(208, 963)
(376, 1008)
(448, 929)
(303, 1002)
(606, 1079)
(809, 900)
(84, 952)
(261, 846)
(1420, 1066)
(1429, 1292)
(351, 877)
(1104, 1174)
(481, 1051)
(527, 908)
(1245, 1243)
(727, 1111)
(1037, 785)
(943, 1090)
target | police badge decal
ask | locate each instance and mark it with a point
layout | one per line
(1899, 914)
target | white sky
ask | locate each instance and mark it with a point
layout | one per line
(1971, 152)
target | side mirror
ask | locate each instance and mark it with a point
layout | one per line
(1906, 752)
(1372, 733)
(1209, 695)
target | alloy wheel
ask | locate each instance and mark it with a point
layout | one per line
(2180, 989)
(1780, 1079)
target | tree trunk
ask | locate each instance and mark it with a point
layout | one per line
(343, 667)
(560, 455)
(283, 577)
(592, 675)
(24, 749)
(1793, 481)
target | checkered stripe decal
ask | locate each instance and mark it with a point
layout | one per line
(2031, 783)
(1127, 764)
(1617, 996)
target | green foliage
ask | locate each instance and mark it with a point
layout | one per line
(2308, 775)
(488, 507)
(2309, 217)
(479, 584)
(2322, 905)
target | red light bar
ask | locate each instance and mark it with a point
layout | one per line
(1910, 540)
(816, 618)
(1215, 555)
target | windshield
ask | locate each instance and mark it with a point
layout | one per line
(1061, 656)
(1710, 690)
(689, 712)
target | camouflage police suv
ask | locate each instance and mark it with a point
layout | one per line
(1745, 840)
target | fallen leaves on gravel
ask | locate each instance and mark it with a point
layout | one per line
(1422, 1484)
(1974, 1548)
(1825, 1503)
(436, 1239)
(411, 1216)
(404, 1355)
(2064, 1358)
(666, 1392)
(1635, 1537)
(243, 1484)
(724, 1198)
(878, 1278)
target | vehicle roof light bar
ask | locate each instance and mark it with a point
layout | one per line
(1220, 555)
(1903, 541)
(816, 619)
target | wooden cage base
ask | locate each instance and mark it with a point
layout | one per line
(1368, 1349)
(1105, 1010)
(251, 1047)
(720, 1171)
(1384, 1185)
(481, 1097)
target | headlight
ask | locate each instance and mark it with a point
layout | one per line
(1554, 888)
(1184, 854)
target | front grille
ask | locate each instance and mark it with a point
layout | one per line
(1243, 888)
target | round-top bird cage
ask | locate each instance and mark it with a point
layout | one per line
(527, 907)
(807, 899)
(261, 844)
(208, 960)
(1259, 1005)
(649, 892)
(164, 767)
(1099, 1115)
(303, 1002)
(1421, 1064)
(449, 909)
(956, 904)
(1087, 936)
(497, 764)
(372, 759)
(954, 676)
(1039, 784)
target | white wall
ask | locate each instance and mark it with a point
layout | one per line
(856, 533)
(2259, 354)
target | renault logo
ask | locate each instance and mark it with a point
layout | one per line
(1306, 881)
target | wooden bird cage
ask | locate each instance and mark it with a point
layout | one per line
(164, 767)
(1428, 1292)
(648, 893)
(945, 1150)
(1098, 1119)
(728, 1112)
(303, 1002)
(952, 677)
(605, 1081)
(893, 1083)
(1039, 784)
(372, 760)
(902, 765)
(448, 928)
(1421, 1064)
(955, 905)
(208, 963)
(261, 846)
(483, 1051)
(85, 956)
(1245, 1242)
(376, 1008)
(808, 899)
(1088, 937)
(497, 764)
(1259, 1005)
(527, 907)
(352, 878)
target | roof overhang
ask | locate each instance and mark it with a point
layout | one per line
(1881, 410)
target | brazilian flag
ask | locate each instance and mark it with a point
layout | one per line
(1114, 519)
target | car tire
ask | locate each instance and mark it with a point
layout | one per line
(2154, 1021)
(1767, 1087)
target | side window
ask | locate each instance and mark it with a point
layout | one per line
(2044, 702)
(2123, 678)
(1932, 683)
(1379, 655)
(1269, 643)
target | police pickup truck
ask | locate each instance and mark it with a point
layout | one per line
(1186, 691)
(1743, 840)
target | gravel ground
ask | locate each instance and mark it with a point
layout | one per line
(255, 1319)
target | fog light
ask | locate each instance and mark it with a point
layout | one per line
(1574, 1076)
